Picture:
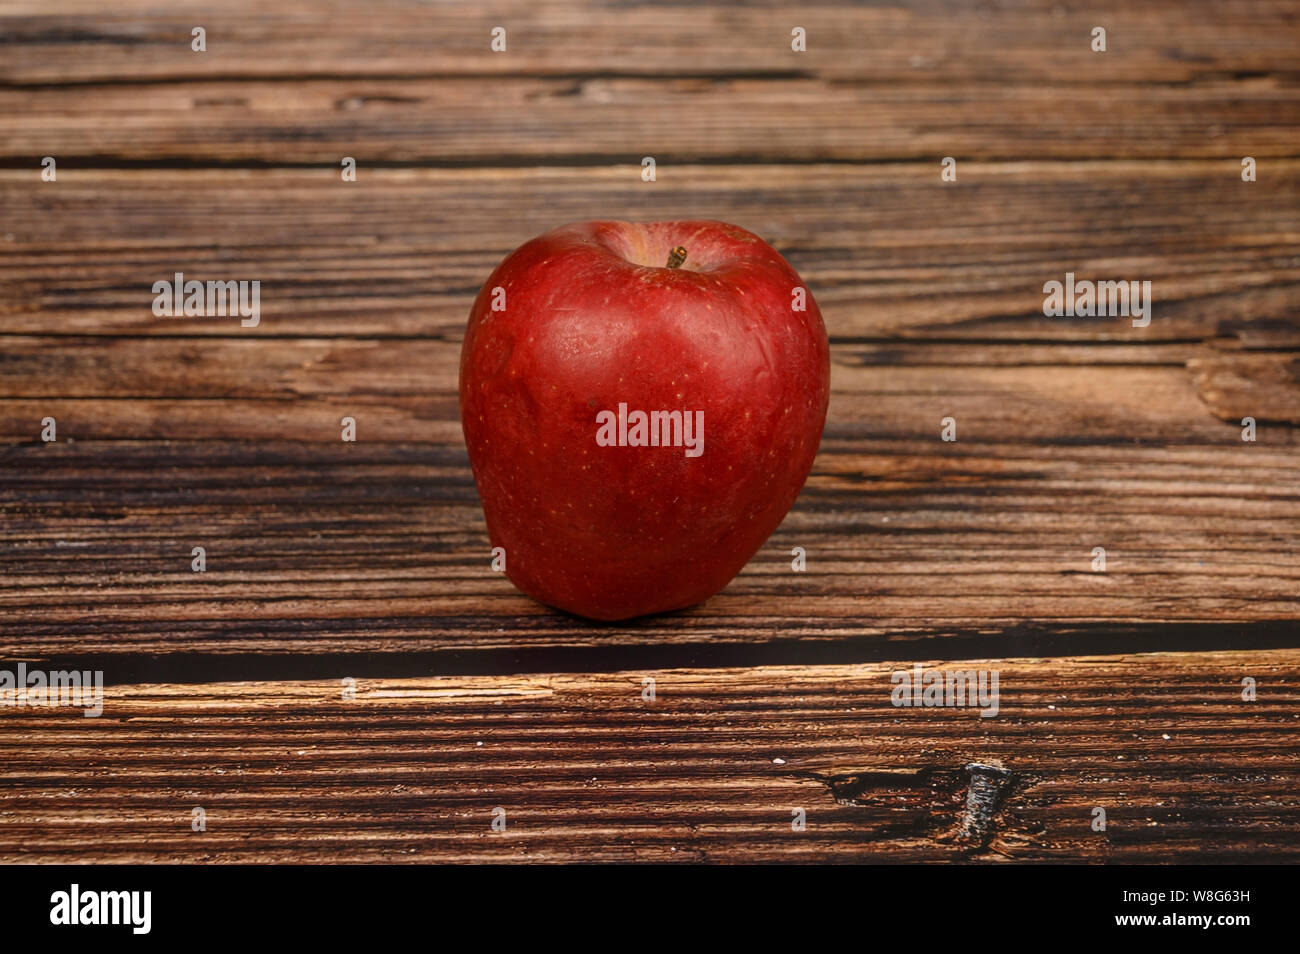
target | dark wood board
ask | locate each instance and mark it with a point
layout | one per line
(712, 769)
(1122, 689)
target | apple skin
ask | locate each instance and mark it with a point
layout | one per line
(594, 317)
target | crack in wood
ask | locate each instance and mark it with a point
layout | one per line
(669, 642)
(959, 807)
(985, 792)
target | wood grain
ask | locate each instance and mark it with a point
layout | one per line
(1120, 689)
(905, 534)
(1234, 384)
(1016, 42)
(889, 251)
(710, 770)
(456, 121)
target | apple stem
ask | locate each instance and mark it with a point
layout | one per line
(677, 256)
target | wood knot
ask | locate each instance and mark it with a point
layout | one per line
(985, 791)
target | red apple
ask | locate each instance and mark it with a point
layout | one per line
(601, 512)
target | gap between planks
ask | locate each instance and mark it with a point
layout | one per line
(709, 768)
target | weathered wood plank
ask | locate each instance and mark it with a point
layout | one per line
(712, 769)
(398, 390)
(248, 368)
(1026, 41)
(889, 251)
(517, 121)
(338, 548)
(284, 369)
(328, 560)
(1064, 444)
(1233, 385)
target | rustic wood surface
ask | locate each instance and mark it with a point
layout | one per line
(369, 560)
(711, 770)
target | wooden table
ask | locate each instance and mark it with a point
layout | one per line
(349, 680)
